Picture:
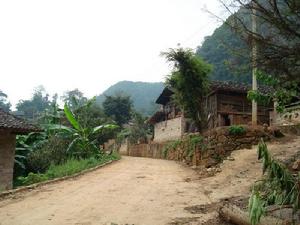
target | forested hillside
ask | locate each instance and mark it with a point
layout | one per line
(228, 54)
(143, 94)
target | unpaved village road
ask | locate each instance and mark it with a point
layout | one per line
(136, 191)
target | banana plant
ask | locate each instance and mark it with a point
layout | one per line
(83, 139)
(26, 144)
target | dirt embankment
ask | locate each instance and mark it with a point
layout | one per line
(139, 191)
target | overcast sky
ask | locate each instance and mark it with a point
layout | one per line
(90, 45)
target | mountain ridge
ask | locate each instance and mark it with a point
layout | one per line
(143, 94)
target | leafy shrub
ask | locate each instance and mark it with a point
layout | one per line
(53, 152)
(236, 130)
(32, 178)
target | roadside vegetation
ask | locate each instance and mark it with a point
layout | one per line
(72, 138)
(188, 145)
(279, 187)
(69, 167)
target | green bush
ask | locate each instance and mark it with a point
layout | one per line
(53, 152)
(236, 130)
(32, 178)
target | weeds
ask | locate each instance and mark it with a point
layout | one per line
(171, 146)
(70, 167)
(189, 143)
(236, 130)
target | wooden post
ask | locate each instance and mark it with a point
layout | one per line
(254, 66)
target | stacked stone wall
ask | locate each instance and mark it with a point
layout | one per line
(217, 144)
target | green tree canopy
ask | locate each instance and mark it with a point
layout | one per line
(34, 106)
(118, 107)
(228, 54)
(4, 103)
(74, 99)
(189, 82)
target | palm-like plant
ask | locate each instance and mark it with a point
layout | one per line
(26, 144)
(83, 139)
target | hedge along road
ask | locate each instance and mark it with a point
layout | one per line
(134, 191)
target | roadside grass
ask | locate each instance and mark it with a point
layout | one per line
(70, 167)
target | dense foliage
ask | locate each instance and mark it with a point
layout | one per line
(72, 137)
(283, 93)
(74, 99)
(119, 107)
(228, 54)
(34, 107)
(139, 131)
(189, 81)
(83, 139)
(4, 103)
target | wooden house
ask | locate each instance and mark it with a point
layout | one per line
(225, 105)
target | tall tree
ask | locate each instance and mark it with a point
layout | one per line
(4, 103)
(33, 107)
(189, 82)
(74, 99)
(118, 107)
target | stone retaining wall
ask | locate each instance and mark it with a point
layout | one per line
(217, 144)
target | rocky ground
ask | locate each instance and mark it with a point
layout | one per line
(143, 191)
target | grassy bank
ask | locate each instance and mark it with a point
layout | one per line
(70, 167)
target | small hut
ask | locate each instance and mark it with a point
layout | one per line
(10, 126)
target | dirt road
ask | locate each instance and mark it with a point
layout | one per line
(137, 191)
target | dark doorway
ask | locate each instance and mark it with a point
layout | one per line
(226, 120)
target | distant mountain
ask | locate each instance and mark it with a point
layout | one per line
(224, 48)
(143, 94)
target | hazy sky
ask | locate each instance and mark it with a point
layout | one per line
(90, 45)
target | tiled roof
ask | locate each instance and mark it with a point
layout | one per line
(158, 116)
(236, 87)
(164, 97)
(15, 124)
